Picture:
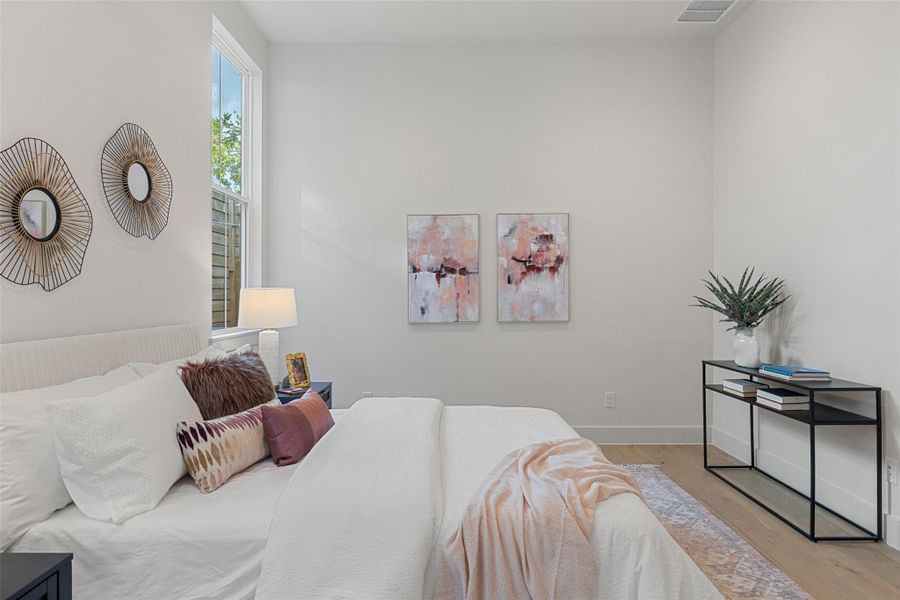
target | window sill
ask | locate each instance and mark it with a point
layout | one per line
(219, 335)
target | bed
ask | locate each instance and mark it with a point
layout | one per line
(302, 528)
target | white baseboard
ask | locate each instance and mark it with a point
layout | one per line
(892, 531)
(733, 445)
(836, 497)
(654, 434)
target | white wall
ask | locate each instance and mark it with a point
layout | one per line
(72, 73)
(807, 153)
(619, 135)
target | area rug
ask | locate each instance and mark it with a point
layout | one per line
(733, 565)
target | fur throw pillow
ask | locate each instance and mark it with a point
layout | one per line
(228, 385)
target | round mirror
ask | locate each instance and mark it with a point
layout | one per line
(39, 214)
(138, 182)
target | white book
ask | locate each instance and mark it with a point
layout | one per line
(737, 394)
(783, 407)
(782, 396)
(742, 385)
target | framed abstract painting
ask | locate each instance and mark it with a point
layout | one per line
(533, 267)
(442, 268)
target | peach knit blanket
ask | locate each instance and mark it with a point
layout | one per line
(527, 534)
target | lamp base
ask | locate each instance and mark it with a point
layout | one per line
(268, 352)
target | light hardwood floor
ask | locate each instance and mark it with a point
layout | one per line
(845, 571)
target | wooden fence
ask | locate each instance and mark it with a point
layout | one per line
(226, 260)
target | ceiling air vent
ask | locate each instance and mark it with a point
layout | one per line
(704, 11)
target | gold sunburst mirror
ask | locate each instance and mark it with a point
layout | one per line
(45, 222)
(136, 182)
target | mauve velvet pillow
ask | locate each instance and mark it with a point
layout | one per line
(293, 429)
(228, 385)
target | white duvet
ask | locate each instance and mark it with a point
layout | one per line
(364, 505)
(395, 478)
(358, 520)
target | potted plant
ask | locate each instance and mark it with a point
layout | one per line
(744, 306)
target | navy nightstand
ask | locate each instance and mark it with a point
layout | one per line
(27, 576)
(323, 388)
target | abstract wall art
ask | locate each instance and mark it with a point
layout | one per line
(533, 267)
(442, 267)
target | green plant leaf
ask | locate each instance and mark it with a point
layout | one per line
(748, 303)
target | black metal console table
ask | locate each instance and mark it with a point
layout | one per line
(818, 415)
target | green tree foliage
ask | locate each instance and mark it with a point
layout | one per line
(226, 151)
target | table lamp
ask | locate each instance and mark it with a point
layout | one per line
(268, 309)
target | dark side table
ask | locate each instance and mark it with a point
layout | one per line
(27, 576)
(323, 388)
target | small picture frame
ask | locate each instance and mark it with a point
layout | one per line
(298, 369)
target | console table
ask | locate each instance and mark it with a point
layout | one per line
(753, 482)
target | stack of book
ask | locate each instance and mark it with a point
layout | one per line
(742, 387)
(781, 399)
(795, 373)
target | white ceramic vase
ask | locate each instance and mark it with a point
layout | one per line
(746, 348)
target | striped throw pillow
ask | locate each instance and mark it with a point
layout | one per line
(215, 450)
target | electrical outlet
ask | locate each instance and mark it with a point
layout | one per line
(890, 470)
(609, 400)
(366, 394)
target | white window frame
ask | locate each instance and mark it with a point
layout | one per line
(250, 196)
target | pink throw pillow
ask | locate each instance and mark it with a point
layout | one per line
(293, 429)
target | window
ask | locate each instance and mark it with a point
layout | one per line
(230, 182)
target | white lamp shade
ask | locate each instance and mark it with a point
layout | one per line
(267, 308)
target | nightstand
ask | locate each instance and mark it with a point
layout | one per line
(323, 388)
(27, 576)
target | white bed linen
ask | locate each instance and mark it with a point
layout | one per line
(192, 545)
(358, 519)
(379, 480)
(637, 558)
(211, 546)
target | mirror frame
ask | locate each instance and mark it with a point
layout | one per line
(129, 145)
(30, 164)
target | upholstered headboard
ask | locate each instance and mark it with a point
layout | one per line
(39, 363)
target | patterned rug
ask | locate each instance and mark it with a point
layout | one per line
(733, 565)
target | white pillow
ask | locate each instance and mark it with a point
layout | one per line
(31, 486)
(118, 451)
(144, 369)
